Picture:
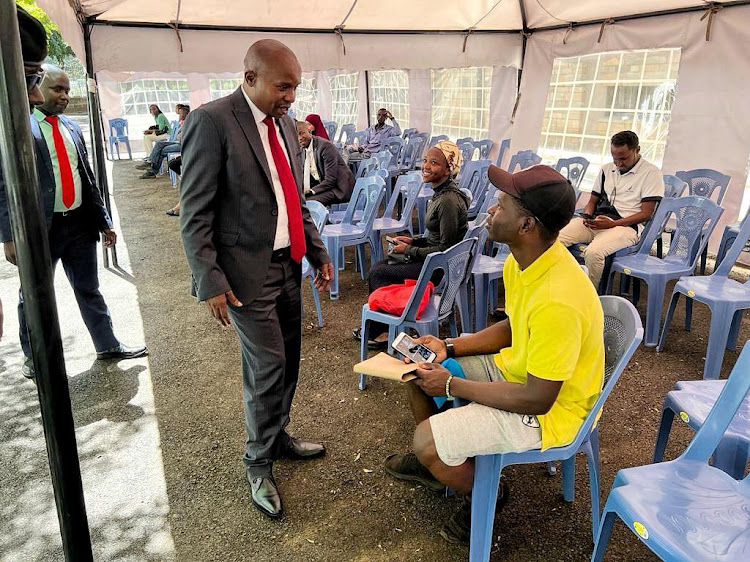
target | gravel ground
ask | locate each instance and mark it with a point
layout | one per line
(344, 507)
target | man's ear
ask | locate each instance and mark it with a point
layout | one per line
(528, 224)
(250, 77)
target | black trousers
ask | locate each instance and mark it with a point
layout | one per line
(270, 333)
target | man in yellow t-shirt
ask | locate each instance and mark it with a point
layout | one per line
(532, 378)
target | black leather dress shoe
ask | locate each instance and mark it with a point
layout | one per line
(123, 352)
(266, 496)
(301, 450)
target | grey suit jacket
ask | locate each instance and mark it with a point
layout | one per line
(228, 209)
(335, 175)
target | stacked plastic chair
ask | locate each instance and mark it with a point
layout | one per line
(686, 509)
(407, 188)
(320, 216)
(346, 135)
(118, 133)
(330, 127)
(574, 169)
(523, 159)
(623, 333)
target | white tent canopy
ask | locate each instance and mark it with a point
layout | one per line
(710, 119)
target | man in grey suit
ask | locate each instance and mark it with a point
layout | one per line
(245, 228)
(326, 177)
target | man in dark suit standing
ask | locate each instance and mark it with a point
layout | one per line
(245, 228)
(75, 216)
(326, 177)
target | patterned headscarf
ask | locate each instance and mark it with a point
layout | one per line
(452, 155)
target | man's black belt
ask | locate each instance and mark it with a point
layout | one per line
(281, 254)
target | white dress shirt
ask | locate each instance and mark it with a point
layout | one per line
(311, 169)
(70, 148)
(282, 220)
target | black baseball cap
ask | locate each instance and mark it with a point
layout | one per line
(33, 38)
(542, 190)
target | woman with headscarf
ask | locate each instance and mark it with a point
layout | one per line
(446, 223)
(319, 129)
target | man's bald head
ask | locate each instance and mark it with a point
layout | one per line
(272, 74)
(55, 88)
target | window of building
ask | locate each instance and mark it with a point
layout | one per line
(461, 102)
(345, 106)
(220, 88)
(137, 95)
(390, 89)
(592, 97)
(306, 99)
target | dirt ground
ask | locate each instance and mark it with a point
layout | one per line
(343, 506)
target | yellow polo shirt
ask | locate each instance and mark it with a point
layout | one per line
(558, 326)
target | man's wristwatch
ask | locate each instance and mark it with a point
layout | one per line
(449, 349)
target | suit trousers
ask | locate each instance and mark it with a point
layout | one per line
(326, 198)
(71, 243)
(270, 333)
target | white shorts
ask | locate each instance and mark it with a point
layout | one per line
(474, 429)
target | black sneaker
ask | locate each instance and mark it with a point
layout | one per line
(407, 467)
(458, 528)
(27, 370)
(371, 344)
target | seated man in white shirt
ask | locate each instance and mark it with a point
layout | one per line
(376, 135)
(623, 198)
(327, 179)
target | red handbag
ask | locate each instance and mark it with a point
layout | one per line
(393, 298)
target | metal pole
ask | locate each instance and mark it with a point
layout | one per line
(367, 95)
(35, 270)
(97, 138)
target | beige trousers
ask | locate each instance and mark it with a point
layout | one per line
(150, 139)
(601, 243)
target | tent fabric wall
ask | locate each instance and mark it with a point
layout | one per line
(710, 117)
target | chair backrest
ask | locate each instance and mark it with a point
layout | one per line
(460, 141)
(467, 153)
(360, 199)
(394, 145)
(524, 159)
(574, 169)
(330, 127)
(730, 257)
(485, 147)
(413, 151)
(704, 181)
(366, 167)
(674, 186)
(623, 333)
(408, 133)
(346, 136)
(704, 443)
(174, 128)
(436, 139)
(696, 218)
(455, 264)
(384, 159)
(476, 176)
(118, 127)
(375, 193)
(407, 186)
(360, 137)
(490, 198)
(318, 212)
(504, 147)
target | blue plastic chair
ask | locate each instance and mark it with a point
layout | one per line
(346, 135)
(436, 139)
(360, 137)
(118, 133)
(726, 299)
(408, 133)
(172, 174)
(623, 332)
(574, 169)
(394, 145)
(673, 186)
(696, 219)
(686, 509)
(463, 140)
(337, 212)
(486, 273)
(477, 182)
(467, 155)
(330, 127)
(524, 159)
(454, 263)
(484, 147)
(731, 231)
(174, 128)
(413, 152)
(407, 186)
(384, 159)
(704, 182)
(319, 215)
(504, 147)
(692, 401)
(336, 237)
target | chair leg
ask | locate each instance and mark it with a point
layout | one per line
(659, 247)
(704, 256)
(602, 538)
(668, 320)
(365, 334)
(361, 260)
(731, 457)
(480, 302)
(594, 480)
(483, 502)
(569, 478)
(332, 245)
(688, 313)
(734, 331)
(718, 334)
(316, 298)
(464, 308)
(636, 290)
(662, 436)
(653, 310)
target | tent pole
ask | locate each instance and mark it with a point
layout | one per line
(367, 95)
(35, 270)
(525, 32)
(97, 138)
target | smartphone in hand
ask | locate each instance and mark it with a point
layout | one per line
(587, 216)
(417, 352)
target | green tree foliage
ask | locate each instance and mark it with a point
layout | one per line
(58, 49)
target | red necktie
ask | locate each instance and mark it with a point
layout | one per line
(291, 195)
(66, 174)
